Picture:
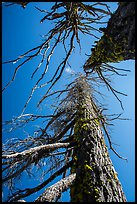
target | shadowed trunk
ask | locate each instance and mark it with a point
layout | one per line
(118, 40)
(96, 179)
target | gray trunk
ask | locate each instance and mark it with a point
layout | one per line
(118, 40)
(96, 178)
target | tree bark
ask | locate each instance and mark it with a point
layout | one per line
(118, 41)
(42, 149)
(96, 178)
(54, 191)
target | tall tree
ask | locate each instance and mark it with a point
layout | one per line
(96, 179)
(69, 19)
(71, 144)
(117, 44)
(118, 41)
(91, 171)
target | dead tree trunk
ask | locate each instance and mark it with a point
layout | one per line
(118, 40)
(96, 178)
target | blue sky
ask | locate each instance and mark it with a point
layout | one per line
(21, 30)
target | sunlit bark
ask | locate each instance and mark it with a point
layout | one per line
(96, 178)
(53, 192)
(78, 124)
(118, 41)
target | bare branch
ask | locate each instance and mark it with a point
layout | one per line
(36, 149)
(54, 191)
(20, 201)
(26, 192)
(110, 143)
(112, 89)
(67, 22)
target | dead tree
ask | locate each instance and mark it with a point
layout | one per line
(117, 44)
(69, 19)
(118, 41)
(96, 180)
(76, 144)
(72, 141)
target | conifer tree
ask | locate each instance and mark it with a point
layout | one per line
(96, 179)
(71, 145)
(77, 126)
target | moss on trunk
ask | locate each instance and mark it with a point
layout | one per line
(118, 41)
(96, 178)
